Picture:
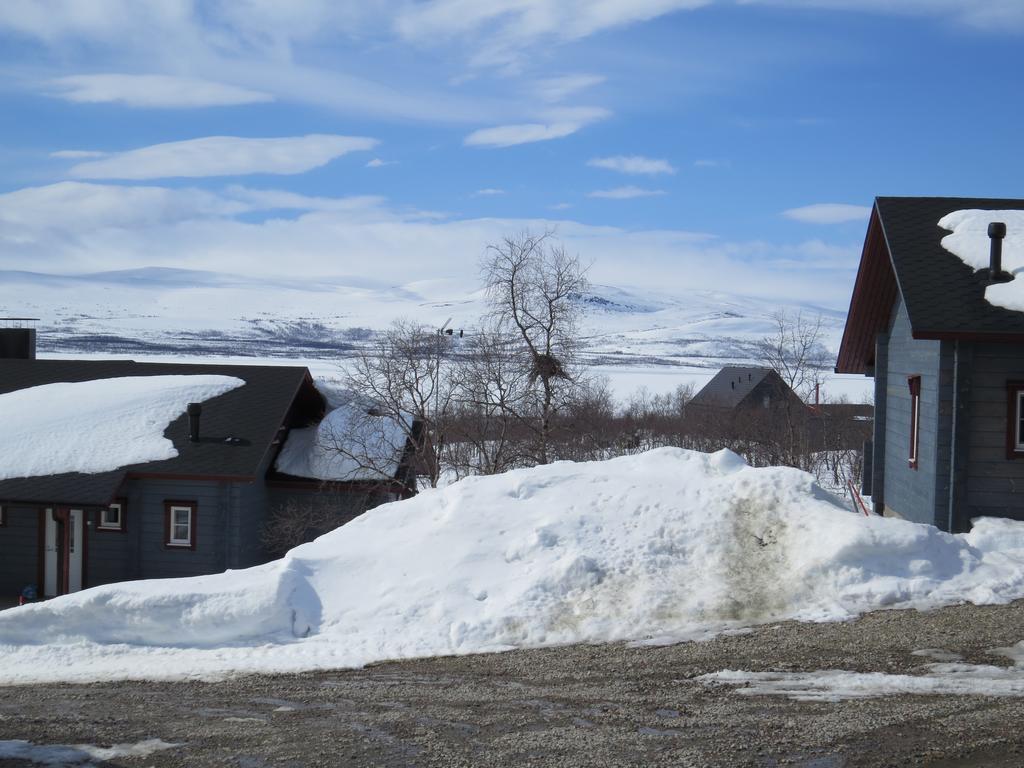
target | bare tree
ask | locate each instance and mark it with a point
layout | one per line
(533, 286)
(406, 373)
(492, 388)
(795, 351)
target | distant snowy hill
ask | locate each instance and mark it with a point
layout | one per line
(159, 312)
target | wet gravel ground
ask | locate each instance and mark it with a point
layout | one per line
(573, 706)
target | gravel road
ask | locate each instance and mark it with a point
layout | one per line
(573, 706)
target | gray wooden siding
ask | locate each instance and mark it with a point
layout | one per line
(995, 484)
(154, 559)
(911, 493)
(19, 551)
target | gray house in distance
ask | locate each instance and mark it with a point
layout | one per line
(200, 512)
(948, 366)
(738, 388)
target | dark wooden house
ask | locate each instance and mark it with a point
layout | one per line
(948, 367)
(200, 512)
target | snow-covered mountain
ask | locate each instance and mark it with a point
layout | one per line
(158, 312)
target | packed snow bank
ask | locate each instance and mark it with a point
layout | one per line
(667, 545)
(970, 241)
(99, 425)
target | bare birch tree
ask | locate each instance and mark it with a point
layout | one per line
(533, 286)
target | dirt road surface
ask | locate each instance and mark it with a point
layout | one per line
(574, 706)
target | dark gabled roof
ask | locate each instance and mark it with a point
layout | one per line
(70, 488)
(273, 397)
(903, 256)
(730, 386)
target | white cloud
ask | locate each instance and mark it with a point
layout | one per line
(707, 163)
(555, 89)
(153, 91)
(560, 206)
(488, 192)
(828, 213)
(378, 163)
(564, 121)
(75, 227)
(500, 30)
(223, 156)
(984, 14)
(632, 164)
(625, 193)
(525, 133)
(76, 154)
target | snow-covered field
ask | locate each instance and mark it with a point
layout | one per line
(635, 336)
(653, 548)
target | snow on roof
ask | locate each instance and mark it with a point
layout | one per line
(354, 441)
(662, 546)
(970, 242)
(98, 425)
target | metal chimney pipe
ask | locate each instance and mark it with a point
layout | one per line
(996, 233)
(194, 411)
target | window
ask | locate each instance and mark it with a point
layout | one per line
(1015, 419)
(3, 517)
(112, 518)
(180, 524)
(914, 382)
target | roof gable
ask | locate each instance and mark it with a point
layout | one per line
(730, 386)
(903, 257)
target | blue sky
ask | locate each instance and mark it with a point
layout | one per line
(709, 143)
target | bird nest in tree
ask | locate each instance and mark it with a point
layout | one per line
(547, 367)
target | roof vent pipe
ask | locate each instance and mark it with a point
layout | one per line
(194, 411)
(996, 233)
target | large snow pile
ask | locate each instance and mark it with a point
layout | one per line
(354, 441)
(98, 425)
(667, 545)
(970, 241)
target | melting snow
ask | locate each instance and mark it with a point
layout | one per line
(98, 425)
(838, 685)
(970, 241)
(78, 754)
(671, 544)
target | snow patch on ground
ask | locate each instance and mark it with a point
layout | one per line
(78, 754)
(950, 678)
(970, 241)
(99, 425)
(663, 546)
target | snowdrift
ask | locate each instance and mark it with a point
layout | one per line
(663, 546)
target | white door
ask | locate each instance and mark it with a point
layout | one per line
(54, 553)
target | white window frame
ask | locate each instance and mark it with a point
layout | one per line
(1018, 416)
(189, 511)
(105, 525)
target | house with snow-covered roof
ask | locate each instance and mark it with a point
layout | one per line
(117, 470)
(937, 318)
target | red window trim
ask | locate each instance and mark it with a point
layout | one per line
(914, 384)
(123, 528)
(193, 507)
(1013, 388)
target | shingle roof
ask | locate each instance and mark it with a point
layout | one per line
(252, 414)
(943, 295)
(730, 386)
